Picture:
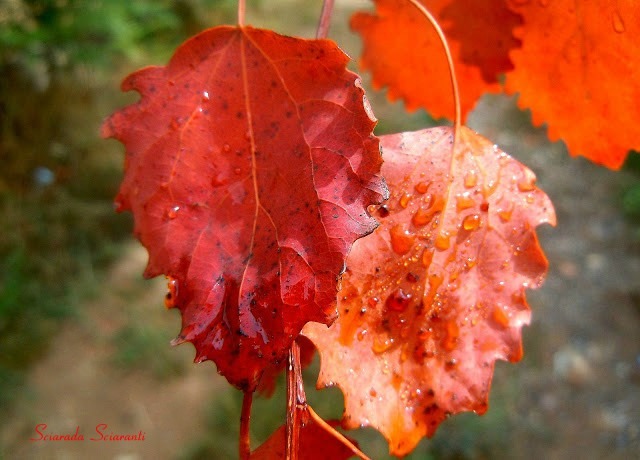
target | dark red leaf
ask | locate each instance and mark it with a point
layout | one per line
(317, 442)
(250, 164)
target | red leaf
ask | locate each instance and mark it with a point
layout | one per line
(317, 442)
(403, 52)
(578, 72)
(250, 163)
(436, 294)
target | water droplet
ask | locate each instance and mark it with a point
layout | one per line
(383, 211)
(205, 95)
(452, 331)
(471, 222)
(442, 240)
(237, 171)
(398, 301)
(401, 240)
(380, 345)
(470, 179)
(172, 292)
(505, 211)
(421, 187)
(226, 148)
(404, 200)
(464, 201)
(427, 257)
(421, 217)
(528, 182)
(361, 334)
(530, 198)
(412, 278)
(470, 263)
(172, 213)
(500, 317)
(618, 22)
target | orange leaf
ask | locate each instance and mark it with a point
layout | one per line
(578, 72)
(317, 442)
(484, 30)
(250, 163)
(436, 294)
(403, 52)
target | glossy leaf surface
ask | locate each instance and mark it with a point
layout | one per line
(437, 293)
(249, 167)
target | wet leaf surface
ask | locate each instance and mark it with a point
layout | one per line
(249, 167)
(437, 293)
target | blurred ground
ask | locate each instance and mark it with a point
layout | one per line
(576, 393)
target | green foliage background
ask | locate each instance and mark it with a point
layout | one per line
(60, 66)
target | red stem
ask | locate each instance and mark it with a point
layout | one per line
(296, 400)
(245, 416)
(241, 11)
(325, 19)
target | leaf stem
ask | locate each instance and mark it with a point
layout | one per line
(245, 416)
(452, 73)
(336, 434)
(325, 19)
(295, 399)
(241, 12)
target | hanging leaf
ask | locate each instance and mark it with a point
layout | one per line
(250, 164)
(437, 293)
(403, 52)
(317, 442)
(484, 31)
(578, 72)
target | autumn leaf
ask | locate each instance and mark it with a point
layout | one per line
(317, 442)
(484, 31)
(249, 167)
(578, 72)
(404, 53)
(437, 293)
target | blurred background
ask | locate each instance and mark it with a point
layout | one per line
(84, 339)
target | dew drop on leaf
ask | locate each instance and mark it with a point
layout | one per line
(618, 23)
(443, 240)
(172, 292)
(404, 200)
(401, 239)
(451, 336)
(421, 217)
(464, 201)
(172, 213)
(398, 301)
(380, 345)
(470, 179)
(471, 222)
(528, 182)
(500, 317)
(422, 187)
